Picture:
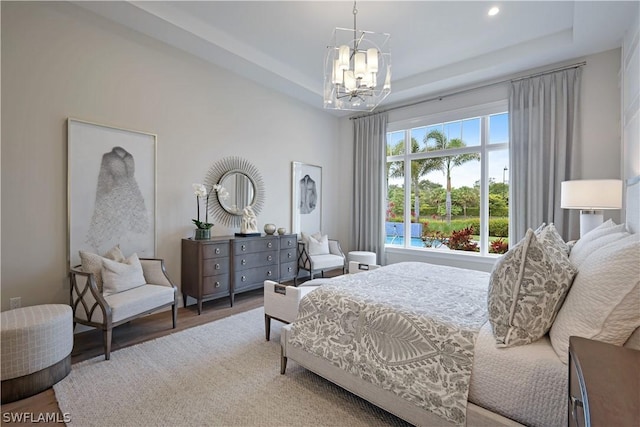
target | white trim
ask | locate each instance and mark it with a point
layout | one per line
(450, 115)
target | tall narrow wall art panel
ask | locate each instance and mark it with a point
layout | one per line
(111, 190)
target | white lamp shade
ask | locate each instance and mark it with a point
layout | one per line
(591, 194)
(349, 80)
(360, 65)
(343, 57)
(372, 60)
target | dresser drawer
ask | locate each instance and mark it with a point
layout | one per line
(288, 242)
(215, 266)
(215, 285)
(288, 255)
(246, 278)
(288, 271)
(215, 250)
(255, 245)
(258, 259)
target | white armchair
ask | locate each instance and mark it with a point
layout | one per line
(281, 303)
(313, 261)
(93, 308)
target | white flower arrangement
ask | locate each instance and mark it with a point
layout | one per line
(200, 190)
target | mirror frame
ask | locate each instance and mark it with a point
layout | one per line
(222, 169)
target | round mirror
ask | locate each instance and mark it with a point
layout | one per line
(241, 187)
(241, 192)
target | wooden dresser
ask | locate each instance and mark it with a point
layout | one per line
(225, 266)
(604, 384)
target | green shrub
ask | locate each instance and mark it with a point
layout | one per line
(499, 227)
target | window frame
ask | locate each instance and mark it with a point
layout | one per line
(483, 111)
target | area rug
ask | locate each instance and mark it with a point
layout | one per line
(222, 373)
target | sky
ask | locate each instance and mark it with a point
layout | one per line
(469, 131)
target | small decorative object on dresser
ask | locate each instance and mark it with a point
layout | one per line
(282, 231)
(269, 229)
(249, 225)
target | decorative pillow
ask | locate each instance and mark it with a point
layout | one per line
(600, 236)
(122, 276)
(604, 302)
(527, 287)
(538, 230)
(319, 246)
(551, 239)
(305, 236)
(92, 263)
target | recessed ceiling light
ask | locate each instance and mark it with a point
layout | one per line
(493, 11)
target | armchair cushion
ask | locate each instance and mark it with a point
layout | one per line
(139, 300)
(122, 276)
(321, 262)
(92, 263)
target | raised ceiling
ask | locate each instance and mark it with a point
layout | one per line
(436, 46)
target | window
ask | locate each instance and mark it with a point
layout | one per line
(448, 182)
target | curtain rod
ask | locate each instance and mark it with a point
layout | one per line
(471, 89)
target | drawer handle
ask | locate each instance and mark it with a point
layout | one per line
(269, 258)
(575, 402)
(289, 269)
(243, 262)
(289, 255)
(243, 279)
(269, 244)
(217, 266)
(217, 284)
(269, 273)
(289, 243)
(217, 250)
(243, 248)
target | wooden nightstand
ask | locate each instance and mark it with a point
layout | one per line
(604, 384)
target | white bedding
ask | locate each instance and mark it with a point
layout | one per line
(526, 383)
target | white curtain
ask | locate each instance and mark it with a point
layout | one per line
(369, 184)
(543, 131)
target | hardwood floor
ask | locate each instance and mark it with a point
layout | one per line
(88, 344)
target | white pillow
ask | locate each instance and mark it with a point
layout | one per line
(596, 238)
(319, 246)
(604, 301)
(92, 263)
(305, 236)
(122, 276)
(604, 228)
(527, 287)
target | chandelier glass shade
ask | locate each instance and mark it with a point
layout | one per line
(357, 69)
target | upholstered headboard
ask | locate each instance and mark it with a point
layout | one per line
(632, 210)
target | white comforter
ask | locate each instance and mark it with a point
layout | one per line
(409, 328)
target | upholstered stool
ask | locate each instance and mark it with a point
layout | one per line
(36, 344)
(362, 257)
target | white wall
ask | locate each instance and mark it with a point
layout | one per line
(631, 101)
(61, 61)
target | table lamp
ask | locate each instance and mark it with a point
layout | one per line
(591, 196)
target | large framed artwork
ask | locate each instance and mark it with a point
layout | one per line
(306, 190)
(111, 190)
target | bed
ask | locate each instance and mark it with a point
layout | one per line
(451, 362)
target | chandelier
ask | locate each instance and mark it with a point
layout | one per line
(357, 69)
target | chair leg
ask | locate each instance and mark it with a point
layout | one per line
(174, 309)
(267, 326)
(283, 362)
(106, 335)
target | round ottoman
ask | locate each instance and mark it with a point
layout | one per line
(36, 344)
(362, 257)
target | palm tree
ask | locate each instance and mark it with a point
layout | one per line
(446, 163)
(419, 168)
